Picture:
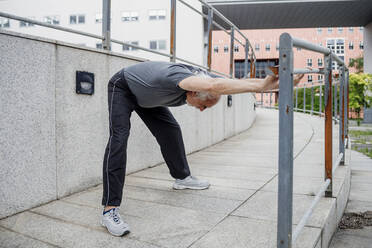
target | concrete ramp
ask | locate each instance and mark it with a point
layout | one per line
(239, 210)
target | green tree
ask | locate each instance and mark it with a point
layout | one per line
(357, 63)
(360, 91)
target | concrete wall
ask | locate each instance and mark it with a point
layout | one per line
(52, 140)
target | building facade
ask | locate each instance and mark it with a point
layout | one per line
(140, 22)
(346, 42)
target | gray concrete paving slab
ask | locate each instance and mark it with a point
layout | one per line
(64, 234)
(238, 210)
(238, 232)
(263, 206)
(214, 191)
(11, 239)
(350, 238)
(158, 224)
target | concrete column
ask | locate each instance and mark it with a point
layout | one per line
(367, 36)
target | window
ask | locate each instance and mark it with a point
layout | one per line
(277, 47)
(157, 14)
(77, 19)
(320, 77)
(130, 48)
(99, 18)
(340, 29)
(319, 30)
(298, 48)
(309, 62)
(153, 44)
(337, 46)
(361, 46)
(161, 44)
(351, 45)
(157, 44)
(267, 47)
(320, 62)
(351, 29)
(26, 24)
(330, 30)
(129, 16)
(257, 47)
(361, 28)
(236, 48)
(226, 48)
(309, 78)
(99, 45)
(215, 49)
(52, 20)
(4, 22)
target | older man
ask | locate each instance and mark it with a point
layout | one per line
(148, 88)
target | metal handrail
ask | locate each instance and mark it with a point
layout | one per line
(106, 36)
(285, 182)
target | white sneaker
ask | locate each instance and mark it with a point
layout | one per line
(114, 224)
(190, 182)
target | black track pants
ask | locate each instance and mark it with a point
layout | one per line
(161, 123)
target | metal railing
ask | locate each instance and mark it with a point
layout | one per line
(286, 109)
(107, 40)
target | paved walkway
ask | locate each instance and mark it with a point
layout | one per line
(360, 200)
(239, 210)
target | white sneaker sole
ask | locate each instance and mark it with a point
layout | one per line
(116, 234)
(178, 186)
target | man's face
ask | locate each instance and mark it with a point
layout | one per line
(193, 100)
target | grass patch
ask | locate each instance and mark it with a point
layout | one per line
(363, 138)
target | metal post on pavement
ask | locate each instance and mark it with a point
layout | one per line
(312, 99)
(320, 99)
(335, 102)
(296, 99)
(106, 24)
(341, 120)
(246, 50)
(285, 180)
(304, 98)
(209, 38)
(173, 31)
(328, 123)
(231, 52)
(345, 108)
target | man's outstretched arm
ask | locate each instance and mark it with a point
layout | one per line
(225, 86)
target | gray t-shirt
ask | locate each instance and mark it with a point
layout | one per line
(155, 83)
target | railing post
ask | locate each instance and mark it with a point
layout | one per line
(345, 107)
(106, 24)
(285, 181)
(296, 98)
(335, 102)
(246, 48)
(231, 52)
(328, 123)
(173, 31)
(304, 99)
(261, 98)
(341, 122)
(209, 34)
(320, 99)
(251, 65)
(312, 99)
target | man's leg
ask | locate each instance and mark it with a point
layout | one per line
(168, 134)
(121, 106)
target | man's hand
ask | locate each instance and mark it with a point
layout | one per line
(272, 82)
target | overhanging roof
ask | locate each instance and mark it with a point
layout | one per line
(251, 14)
